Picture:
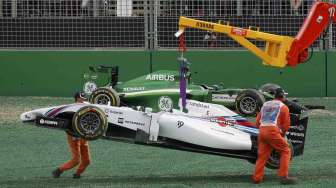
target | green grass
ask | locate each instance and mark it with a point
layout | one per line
(28, 154)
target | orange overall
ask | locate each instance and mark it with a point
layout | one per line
(79, 149)
(273, 122)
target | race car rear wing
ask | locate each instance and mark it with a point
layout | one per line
(114, 72)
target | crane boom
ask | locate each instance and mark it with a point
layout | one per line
(279, 50)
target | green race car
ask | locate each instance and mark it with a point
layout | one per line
(160, 90)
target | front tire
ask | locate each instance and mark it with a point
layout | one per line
(89, 123)
(249, 102)
(105, 96)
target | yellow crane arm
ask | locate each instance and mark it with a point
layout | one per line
(276, 47)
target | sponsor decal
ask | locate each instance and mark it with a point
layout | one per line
(223, 98)
(48, 122)
(89, 87)
(296, 134)
(27, 117)
(198, 105)
(222, 121)
(134, 123)
(109, 111)
(180, 124)
(332, 11)
(121, 120)
(295, 141)
(165, 103)
(205, 25)
(299, 128)
(160, 77)
(130, 89)
(238, 31)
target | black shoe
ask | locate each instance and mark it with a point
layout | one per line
(56, 173)
(76, 176)
(288, 180)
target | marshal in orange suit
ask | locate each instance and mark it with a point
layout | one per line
(79, 149)
(273, 122)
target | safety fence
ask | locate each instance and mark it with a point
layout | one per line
(139, 24)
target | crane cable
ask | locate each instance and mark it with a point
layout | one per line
(182, 46)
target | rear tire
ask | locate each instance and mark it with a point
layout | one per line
(105, 96)
(249, 102)
(89, 123)
(274, 160)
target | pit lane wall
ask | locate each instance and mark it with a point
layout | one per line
(60, 73)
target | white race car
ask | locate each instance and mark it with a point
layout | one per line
(205, 128)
